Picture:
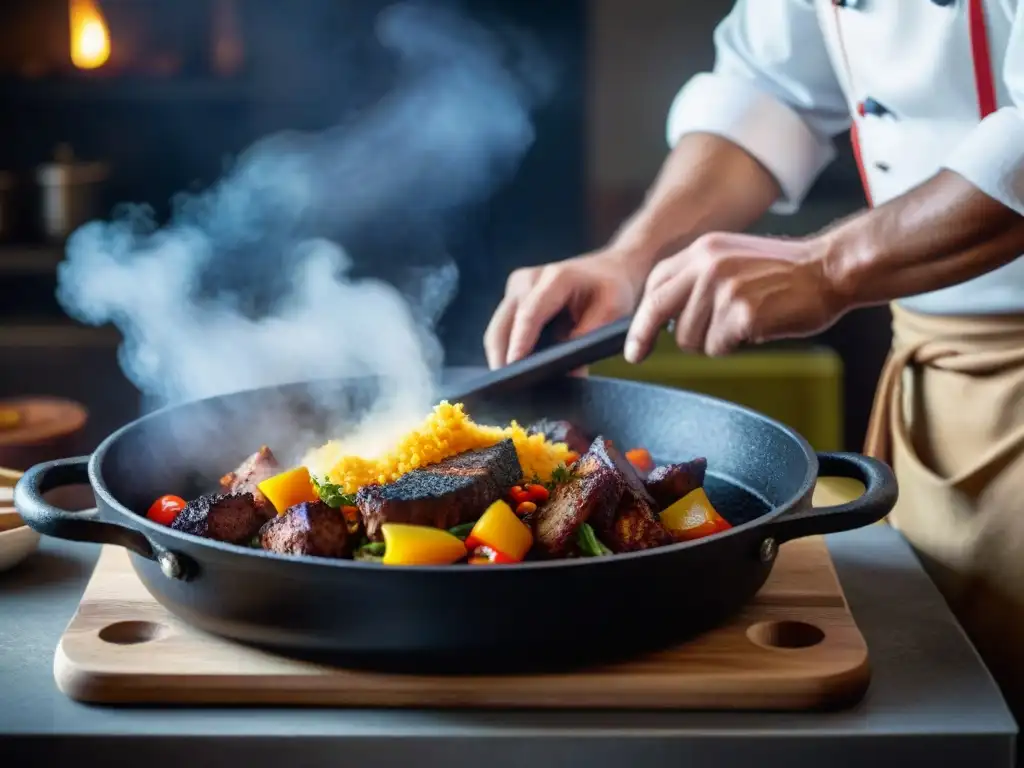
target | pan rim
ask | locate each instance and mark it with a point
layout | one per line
(143, 524)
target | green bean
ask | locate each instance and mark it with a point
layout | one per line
(589, 544)
(463, 530)
(369, 551)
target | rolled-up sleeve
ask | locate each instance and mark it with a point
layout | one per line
(773, 92)
(992, 155)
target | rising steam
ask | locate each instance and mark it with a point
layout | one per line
(249, 284)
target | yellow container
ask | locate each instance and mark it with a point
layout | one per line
(801, 387)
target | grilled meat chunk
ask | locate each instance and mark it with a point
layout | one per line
(603, 451)
(561, 431)
(261, 466)
(634, 528)
(630, 524)
(670, 483)
(594, 490)
(310, 528)
(234, 518)
(449, 493)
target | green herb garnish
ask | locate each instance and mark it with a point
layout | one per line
(332, 495)
(589, 544)
(560, 476)
(254, 542)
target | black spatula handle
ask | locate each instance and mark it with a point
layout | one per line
(557, 360)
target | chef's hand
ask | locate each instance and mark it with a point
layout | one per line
(595, 288)
(728, 289)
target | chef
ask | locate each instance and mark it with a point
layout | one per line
(932, 92)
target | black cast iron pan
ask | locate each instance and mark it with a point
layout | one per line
(508, 618)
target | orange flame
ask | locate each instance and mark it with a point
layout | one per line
(90, 38)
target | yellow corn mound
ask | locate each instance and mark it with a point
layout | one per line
(447, 431)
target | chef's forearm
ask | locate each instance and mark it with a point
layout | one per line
(939, 234)
(706, 184)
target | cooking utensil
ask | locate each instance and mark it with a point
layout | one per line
(554, 361)
(761, 475)
(69, 193)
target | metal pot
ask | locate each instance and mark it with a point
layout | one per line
(69, 193)
(760, 476)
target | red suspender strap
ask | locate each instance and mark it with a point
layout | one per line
(984, 79)
(855, 142)
(854, 134)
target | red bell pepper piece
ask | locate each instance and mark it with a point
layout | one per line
(486, 555)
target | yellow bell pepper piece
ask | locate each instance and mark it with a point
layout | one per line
(693, 517)
(289, 488)
(500, 529)
(406, 544)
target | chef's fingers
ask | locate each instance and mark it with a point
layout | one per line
(496, 337)
(663, 271)
(536, 309)
(656, 308)
(498, 330)
(731, 323)
(692, 323)
(596, 315)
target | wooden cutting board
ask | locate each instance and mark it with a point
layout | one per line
(795, 647)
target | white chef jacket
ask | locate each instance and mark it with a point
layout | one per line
(790, 75)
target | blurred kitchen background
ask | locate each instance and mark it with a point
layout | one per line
(134, 100)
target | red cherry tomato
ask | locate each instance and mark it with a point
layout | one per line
(538, 493)
(518, 495)
(165, 509)
(526, 508)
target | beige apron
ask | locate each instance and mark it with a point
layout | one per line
(949, 418)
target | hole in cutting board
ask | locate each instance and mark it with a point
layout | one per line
(132, 632)
(785, 634)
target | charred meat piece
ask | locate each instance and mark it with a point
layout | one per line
(631, 524)
(261, 466)
(634, 528)
(603, 451)
(561, 431)
(670, 483)
(603, 454)
(310, 528)
(234, 518)
(595, 490)
(449, 493)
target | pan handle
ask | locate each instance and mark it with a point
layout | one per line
(49, 520)
(878, 499)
